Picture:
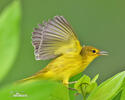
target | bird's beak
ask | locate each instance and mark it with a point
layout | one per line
(103, 53)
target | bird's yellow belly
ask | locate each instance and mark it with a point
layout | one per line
(67, 67)
(73, 69)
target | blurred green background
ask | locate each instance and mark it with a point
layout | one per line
(100, 23)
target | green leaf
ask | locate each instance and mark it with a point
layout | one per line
(9, 36)
(91, 87)
(108, 89)
(83, 81)
(123, 94)
(85, 85)
(38, 90)
(95, 78)
(117, 97)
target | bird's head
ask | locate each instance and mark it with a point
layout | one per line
(91, 52)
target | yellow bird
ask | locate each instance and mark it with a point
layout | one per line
(56, 40)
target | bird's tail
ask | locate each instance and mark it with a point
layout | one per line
(31, 78)
(41, 75)
(28, 78)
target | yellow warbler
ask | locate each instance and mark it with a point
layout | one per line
(56, 39)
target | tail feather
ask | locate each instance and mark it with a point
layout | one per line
(29, 79)
(32, 78)
(38, 76)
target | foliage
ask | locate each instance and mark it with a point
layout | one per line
(9, 36)
(38, 90)
(123, 93)
(108, 89)
(111, 89)
(85, 85)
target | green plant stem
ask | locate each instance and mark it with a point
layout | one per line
(83, 94)
(84, 97)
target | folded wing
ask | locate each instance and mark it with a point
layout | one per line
(54, 38)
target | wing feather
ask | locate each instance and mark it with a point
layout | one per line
(54, 38)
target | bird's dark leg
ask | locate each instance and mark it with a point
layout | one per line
(72, 89)
(72, 83)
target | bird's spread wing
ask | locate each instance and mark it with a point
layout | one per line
(54, 38)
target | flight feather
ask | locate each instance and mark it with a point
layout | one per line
(54, 38)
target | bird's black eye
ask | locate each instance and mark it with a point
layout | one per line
(94, 51)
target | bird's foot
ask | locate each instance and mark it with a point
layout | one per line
(72, 89)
